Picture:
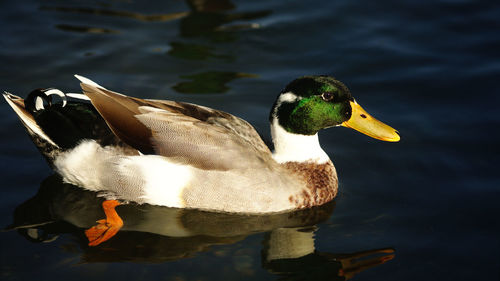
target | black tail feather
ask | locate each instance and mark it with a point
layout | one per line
(56, 126)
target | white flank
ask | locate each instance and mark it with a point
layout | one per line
(87, 81)
(30, 122)
(164, 182)
(290, 147)
(82, 165)
(143, 179)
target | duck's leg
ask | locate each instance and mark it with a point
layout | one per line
(105, 228)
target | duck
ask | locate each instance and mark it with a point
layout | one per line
(182, 155)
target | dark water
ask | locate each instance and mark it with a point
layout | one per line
(424, 208)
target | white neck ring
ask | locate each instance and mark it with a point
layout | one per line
(290, 147)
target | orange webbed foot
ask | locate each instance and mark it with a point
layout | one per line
(105, 228)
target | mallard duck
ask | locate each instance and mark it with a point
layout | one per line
(184, 155)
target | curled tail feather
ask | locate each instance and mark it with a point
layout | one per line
(42, 141)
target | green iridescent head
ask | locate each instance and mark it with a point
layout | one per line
(311, 103)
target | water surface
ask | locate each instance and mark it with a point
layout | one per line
(424, 208)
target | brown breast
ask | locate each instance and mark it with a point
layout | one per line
(321, 183)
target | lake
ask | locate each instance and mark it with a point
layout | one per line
(424, 208)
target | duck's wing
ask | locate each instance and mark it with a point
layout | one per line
(186, 133)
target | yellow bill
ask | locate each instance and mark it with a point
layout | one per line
(363, 122)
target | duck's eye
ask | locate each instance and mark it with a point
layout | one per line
(327, 96)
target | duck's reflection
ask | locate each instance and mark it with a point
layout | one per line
(159, 234)
(303, 262)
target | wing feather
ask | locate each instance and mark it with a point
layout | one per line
(187, 133)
